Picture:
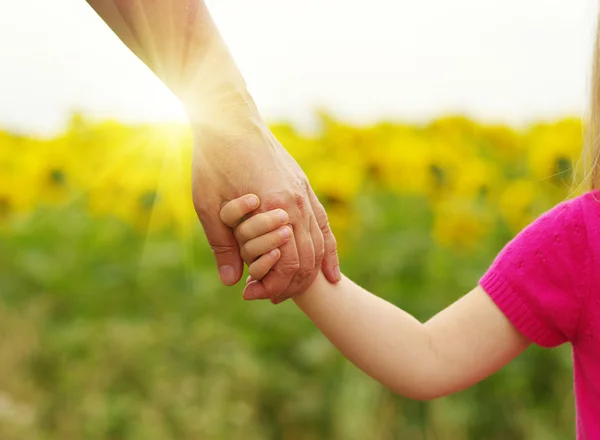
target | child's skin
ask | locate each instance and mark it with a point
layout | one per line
(458, 347)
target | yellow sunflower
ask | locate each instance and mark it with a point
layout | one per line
(552, 149)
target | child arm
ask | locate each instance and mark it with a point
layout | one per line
(461, 345)
(535, 291)
(458, 347)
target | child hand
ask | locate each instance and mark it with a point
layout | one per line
(259, 236)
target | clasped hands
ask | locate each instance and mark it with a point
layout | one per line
(252, 161)
(234, 152)
(260, 238)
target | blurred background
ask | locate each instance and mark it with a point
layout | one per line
(432, 131)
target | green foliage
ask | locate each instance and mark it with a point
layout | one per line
(110, 333)
(113, 324)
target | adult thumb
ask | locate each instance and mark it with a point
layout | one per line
(225, 248)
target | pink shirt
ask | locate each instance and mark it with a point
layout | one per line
(545, 283)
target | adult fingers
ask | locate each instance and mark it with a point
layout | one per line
(306, 257)
(224, 247)
(331, 263)
(278, 278)
(318, 243)
(301, 269)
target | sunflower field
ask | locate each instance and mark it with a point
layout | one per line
(114, 325)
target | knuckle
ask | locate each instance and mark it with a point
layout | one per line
(331, 253)
(242, 232)
(246, 253)
(332, 250)
(303, 274)
(220, 249)
(274, 201)
(326, 227)
(273, 220)
(275, 239)
(294, 197)
(274, 256)
(267, 221)
(255, 272)
(299, 201)
(321, 215)
(319, 254)
(289, 268)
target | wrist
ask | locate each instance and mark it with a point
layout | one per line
(317, 288)
(233, 135)
(215, 102)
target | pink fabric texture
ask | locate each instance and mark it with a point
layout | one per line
(546, 281)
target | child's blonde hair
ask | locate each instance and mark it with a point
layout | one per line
(587, 173)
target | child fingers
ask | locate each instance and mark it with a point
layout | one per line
(253, 249)
(263, 265)
(260, 224)
(234, 211)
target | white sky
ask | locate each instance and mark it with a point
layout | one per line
(497, 60)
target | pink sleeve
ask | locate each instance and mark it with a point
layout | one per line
(542, 276)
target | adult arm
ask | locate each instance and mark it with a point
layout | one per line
(234, 153)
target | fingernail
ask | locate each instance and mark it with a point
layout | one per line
(273, 254)
(253, 202)
(286, 232)
(337, 273)
(227, 274)
(283, 216)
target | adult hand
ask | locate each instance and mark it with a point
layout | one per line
(242, 156)
(235, 153)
